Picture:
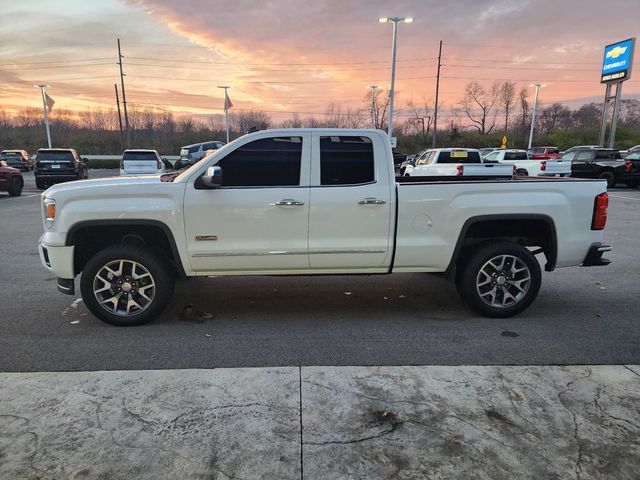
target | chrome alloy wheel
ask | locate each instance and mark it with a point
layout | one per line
(124, 287)
(503, 281)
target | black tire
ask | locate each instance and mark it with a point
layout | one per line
(161, 281)
(522, 172)
(472, 279)
(15, 186)
(609, 176)
(40, 185)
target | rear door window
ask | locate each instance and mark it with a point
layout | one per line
(569, 156)
(584, 155)
(346, 160)
(515, 156)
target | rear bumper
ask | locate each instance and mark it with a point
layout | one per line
(594, 255)
(52, 178)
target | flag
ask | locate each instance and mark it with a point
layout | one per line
(50, 102)
(227, 101)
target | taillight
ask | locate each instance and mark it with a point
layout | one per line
(628, 166)
(543, 165)
(599, 219)
(460, 170)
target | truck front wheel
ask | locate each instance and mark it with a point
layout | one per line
(500, 279)
(126, 285)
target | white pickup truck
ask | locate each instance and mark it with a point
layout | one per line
(314, 201)
(459, 162)
(529, 166)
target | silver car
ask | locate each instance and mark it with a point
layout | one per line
(191, 154)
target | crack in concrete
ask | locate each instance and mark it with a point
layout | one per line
(394, 427)
(596, 402)
(631, 370)
(578, 465)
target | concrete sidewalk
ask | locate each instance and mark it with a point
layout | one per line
(323, 423)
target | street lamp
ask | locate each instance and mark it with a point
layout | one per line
(395, 21)
(373, 105)
(44, 106)
(535, 106)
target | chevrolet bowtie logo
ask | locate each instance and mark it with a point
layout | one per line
(616, 52)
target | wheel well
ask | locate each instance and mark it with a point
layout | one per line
(538, 232)
(90, 239)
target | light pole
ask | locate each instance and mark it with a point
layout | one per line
(226, 108)
(373, 105)
(535, 106)
(44, 107)
(395, 21)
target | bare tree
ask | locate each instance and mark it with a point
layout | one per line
(553, 117)
(481, 106)
(421, 119)
(507, 100)
(523, 97)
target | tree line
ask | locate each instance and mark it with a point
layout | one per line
(479, 119)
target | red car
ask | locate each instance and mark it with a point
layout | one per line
(545, 153)
(10, 180)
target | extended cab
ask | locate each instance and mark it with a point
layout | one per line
(530, 167)
(460, 162)
(314, 201)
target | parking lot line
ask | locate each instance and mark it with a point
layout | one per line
(628, 198)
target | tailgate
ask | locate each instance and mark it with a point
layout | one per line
(556, 167)
(488, 169)
(140, 166)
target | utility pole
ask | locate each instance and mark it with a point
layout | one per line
(46, 115)
(124, 97)
(373, 105)
(533, 115)
(435, 110)
(115, 85)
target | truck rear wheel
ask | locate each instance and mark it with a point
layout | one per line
(126, 285)
(609, 176)
(500, 279)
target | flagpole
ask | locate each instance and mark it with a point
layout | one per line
(46, 116)
(226, 109)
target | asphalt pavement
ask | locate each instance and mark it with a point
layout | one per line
(582, 315)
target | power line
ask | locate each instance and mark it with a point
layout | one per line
(274, 64)
(273, 81)
(520, 61)
(521, 68)
(54, 61)
(64, 66)
(269, 70)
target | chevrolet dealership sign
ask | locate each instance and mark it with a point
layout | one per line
(617, 62)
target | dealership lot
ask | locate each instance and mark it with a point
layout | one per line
(582, 316)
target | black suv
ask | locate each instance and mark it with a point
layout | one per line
(17, 159)
(57, 165)
(603, 163)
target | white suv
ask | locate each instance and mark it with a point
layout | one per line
(141, 162)
(191, 154)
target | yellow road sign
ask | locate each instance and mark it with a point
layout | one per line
(504, 142)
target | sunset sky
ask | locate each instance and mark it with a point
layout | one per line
(299, 55)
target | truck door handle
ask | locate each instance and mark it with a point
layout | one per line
(289, 202)
(371, 201)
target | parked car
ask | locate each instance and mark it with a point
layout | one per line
(191, 154)
(530, 167)
(634, 149)
(58, 165)
(141, 162)
(11, 180)
(603, 163)
(17, 159)
(322, 201)
(545, 153)
(459, 162)
(631, 175)
(409, 162)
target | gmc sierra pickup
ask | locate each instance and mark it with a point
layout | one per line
(314, 201)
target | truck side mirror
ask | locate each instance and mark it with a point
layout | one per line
(212, 178)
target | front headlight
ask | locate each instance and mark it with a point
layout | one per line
(49, 205)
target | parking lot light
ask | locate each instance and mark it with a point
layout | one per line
(535, 106)
(395, 21)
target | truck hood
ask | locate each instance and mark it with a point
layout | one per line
(101, 183)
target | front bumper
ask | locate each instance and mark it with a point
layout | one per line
(594, 255)
(59, 261)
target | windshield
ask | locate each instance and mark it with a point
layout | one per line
(183, 174)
